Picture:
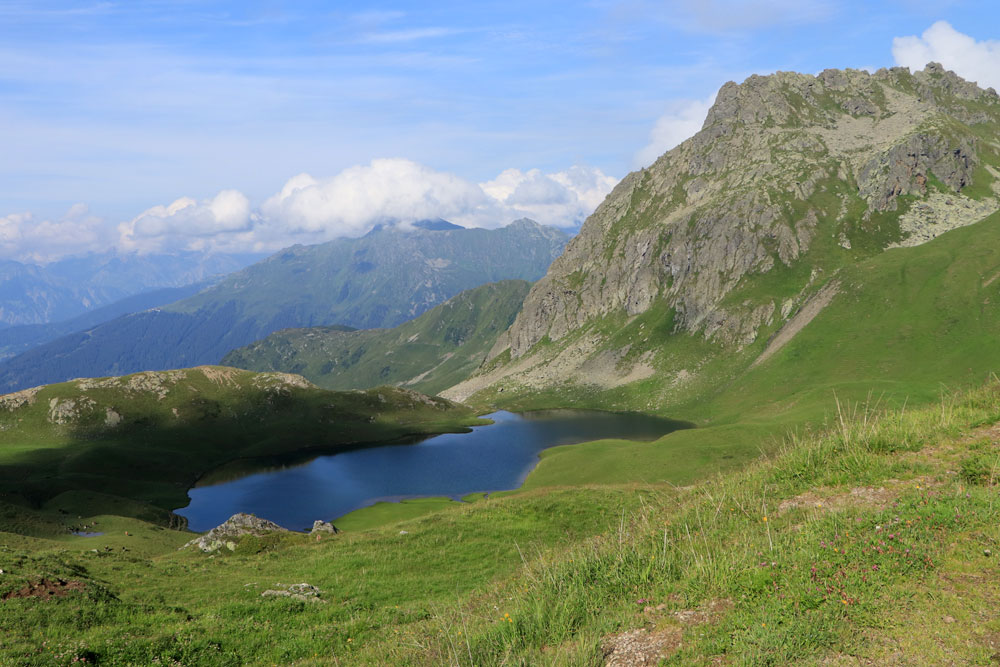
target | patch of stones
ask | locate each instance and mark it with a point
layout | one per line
(650, 645)
(303, 591)
(641, 647)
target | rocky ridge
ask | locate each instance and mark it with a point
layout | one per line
(789, 170)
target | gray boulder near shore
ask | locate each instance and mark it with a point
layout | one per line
(236, 526)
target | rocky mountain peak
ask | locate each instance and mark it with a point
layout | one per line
(788, 170)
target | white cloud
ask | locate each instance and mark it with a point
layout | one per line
(311, 210)
(400, 190)
(25, 238)
(972, 60)
(401, 36)
(357, 198)
(189, 224)
(680, 122)
(562, 198)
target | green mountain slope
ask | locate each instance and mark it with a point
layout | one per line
(71, 287)
(149, 437)
(382, 279)
(436, 350)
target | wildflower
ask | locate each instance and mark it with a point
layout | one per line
(765, 519)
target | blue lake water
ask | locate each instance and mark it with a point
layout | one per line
(489, 458)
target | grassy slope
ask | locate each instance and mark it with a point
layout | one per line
(206, 417)
(907, 323)
(429, 353)
(874, 533)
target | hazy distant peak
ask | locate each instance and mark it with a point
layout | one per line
(436, 225)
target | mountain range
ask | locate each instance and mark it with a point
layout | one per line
(382, 279)
(67, 288)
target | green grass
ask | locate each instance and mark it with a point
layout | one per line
(383, 513)
(545, 576)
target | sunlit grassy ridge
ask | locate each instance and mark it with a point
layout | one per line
(428, 353)
(840, 545)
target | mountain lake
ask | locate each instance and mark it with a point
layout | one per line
(493, 457)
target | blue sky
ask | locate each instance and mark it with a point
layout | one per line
(112, 112)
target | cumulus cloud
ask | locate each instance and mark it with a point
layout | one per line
(312, 210)
(189, 224)
(357, 198)
(681, 121)
(25, 238)
(562, 198)
(972, 60)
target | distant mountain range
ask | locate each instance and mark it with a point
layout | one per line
(430, 353)
(387, 277)
(31, 294)
(17, 339)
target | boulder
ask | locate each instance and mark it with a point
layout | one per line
(237, 525)
(323, 527)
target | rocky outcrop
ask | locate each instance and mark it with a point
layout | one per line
(320, 526)
(237, 526)
(304, 592)
(781, 161)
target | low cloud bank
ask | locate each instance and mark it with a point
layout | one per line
(312, 210)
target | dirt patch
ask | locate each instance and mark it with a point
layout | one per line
(992, 642)
(709, 612)
(813, 307)
(640, 647)
(45, 588)
(865, 496)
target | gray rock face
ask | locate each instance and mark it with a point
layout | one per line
(236, 526)
(780, 162)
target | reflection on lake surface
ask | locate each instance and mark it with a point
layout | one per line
(490, 458)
